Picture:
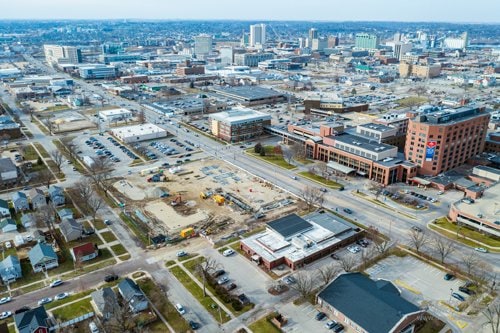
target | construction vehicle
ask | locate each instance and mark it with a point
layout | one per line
(219, 199)
(150, 171)
(188, 233)
(159, 177)
(206, 194)
(177, 201)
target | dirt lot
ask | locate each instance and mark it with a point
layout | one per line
(185, 187)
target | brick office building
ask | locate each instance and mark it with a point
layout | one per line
(239, 124)
(441, 140)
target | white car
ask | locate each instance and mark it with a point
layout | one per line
(481, 249)
(228, 252)
(61, 296)
(44, 301)
(56, 283)
(4, 300)
(5, 315)
(353, 249)
(8, 245)
(180, 309)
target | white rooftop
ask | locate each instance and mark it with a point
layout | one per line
(137, 130)
(239, 115)
(114, 112)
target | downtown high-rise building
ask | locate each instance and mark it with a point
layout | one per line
(366, 41)
(58, 54)
(202, 45)
(257, 34)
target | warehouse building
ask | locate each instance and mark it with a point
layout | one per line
(250, 95)
(137, 133)
(115, 115)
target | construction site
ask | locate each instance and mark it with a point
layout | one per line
(207, 198)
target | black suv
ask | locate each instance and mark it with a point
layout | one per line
(111, 277)
(466, 290)
(218, 273)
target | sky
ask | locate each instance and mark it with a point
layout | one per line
(476, 11)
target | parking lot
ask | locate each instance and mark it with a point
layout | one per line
(105, 147)
(417, 280)
(302, 318)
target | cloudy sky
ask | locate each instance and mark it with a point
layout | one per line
(480, 11)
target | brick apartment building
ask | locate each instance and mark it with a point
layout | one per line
(439, 141)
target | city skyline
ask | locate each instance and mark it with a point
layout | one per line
(315, 10)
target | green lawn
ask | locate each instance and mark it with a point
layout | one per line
(443, 222)
(118, 249)
(42, 150)
(410, 101)
(68, 299)
(68, 264)
(189, 256)
(73, 310)
(277, 160)
(164, 306)
(94, 239)
(30, 153)
(99, 224)
(264, 325)
(319, 179)
(28, 275)
(170, 263)
(197, 292)
(108, 236)
(138, 231)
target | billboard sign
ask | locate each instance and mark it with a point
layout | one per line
(430, 149)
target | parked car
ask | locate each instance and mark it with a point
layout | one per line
(353, 249)
(182, 253)
(334, 256)
(347, 210)
(320, 315)
(56, 283)
(5, 314)
(223, 280)
(110, 278)
(466, 290)
(417, 229)
(4, 300)
(61, 296)
(180, 309)
(218, 273)
(44, 301)
(458, 296)
(243, 299)
(194, 325)
(8, 245)
(338, 328)
(449, 277)
(330, 324)
(481, 249)
(289, 280)
(362, 242)
(231, 286)
(228, 252)
(107, 222)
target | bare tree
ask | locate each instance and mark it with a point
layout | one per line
(100, 172)
(45, 217)
(304, 284)
(46, 177)
(418, 239)
(58, 158)
(84, 189)
(288, 154)
(298, 151)
(347, 262)
(376, 188)
(49, 125)
(492, 316)
(322, 169)
(381, 246)
(470, 261)
(141, 117)
(443, 246)
(483, 269)
(122, 320)
(205, 269)
(419, 90)
(94, 202)
(328, 272)
(312, 196)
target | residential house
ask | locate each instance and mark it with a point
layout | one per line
(71, 229)
(8, 171)
(84, 252)
(37, 197)
(105, 303)
(28, 220)
(8, 225)
(42, 257)
(132, 295)
(4, 208)
(20, 201)
(361, 303)
(56, 195)
(32, 321)
(65, 213)
(10, 269)
(39, 236)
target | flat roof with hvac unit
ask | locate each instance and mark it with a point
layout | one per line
(138, 133)
(249, 93)
(289, 225)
